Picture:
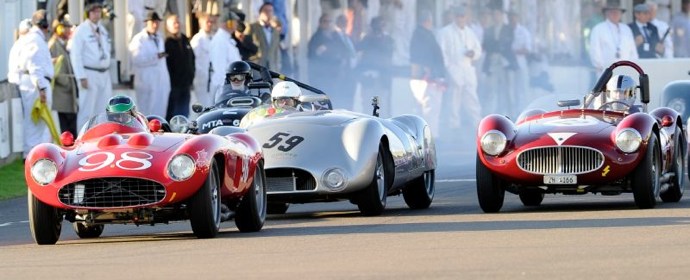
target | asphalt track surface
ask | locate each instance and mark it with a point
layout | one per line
(568, 237)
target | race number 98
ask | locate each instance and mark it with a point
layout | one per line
(127, 161)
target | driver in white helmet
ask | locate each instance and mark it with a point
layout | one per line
(619, 94)
(284, 98)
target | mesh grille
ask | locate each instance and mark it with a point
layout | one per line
(560, 160)
(112, 193)
(289, 180)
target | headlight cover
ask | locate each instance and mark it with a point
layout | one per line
(493, 142)
(334, 179)
(181, 167)
(44, 171)
(628, 140)
(179, 124)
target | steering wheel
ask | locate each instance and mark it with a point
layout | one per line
(610, 104)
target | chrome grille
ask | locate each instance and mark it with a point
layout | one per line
(112, 193)
(289, 180)
(560, 160)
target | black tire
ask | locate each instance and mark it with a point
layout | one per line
(531, 197)
(490, 189)
(371, 201)
(675, 192)
(251, 213)
(86, 232)
(419, 193)
(277, 207)
(645, 177)
(45, 221)
(204, 206)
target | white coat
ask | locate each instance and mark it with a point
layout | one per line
(151, 77)
(607, 40)
(137, 10)
(35, 65)
(91, 49)
(223, 53)
(201, 44)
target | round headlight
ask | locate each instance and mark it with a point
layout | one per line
(44, 171)
(334, 179)
(181, 167)
(628, 140)
(179, 123)
(493, 142)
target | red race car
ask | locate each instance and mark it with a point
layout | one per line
(608, 145)
(119, 172)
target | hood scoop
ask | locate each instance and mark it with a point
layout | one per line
(109, 141)
(140, 140)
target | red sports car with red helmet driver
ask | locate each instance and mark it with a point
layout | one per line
(609, 145)
(120, 172)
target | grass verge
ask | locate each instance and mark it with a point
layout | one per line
(12, 183)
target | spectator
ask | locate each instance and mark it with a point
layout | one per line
(611, 40)
(428, 71)
(498, 39)
(180, 62)
(223, 50)
(521, 47)
(664, 31)
(346, 92)
(90, 55)
(35, 65)
(13, 73)
(356, 14)
(201, 45)
(326, 54)
(267, 38)
(138, 9)
(245, 44)
(285, 59)
(376, 65)
(151, 77)
(645, 33)
(460, 48)
(64, 84)
(681, 31)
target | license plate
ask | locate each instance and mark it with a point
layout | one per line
(560, 179)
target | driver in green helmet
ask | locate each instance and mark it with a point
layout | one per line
(121, 109)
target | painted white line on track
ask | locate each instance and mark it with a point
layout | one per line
(455, 180)
(11, 223)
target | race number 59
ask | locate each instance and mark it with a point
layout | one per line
(280, 137)
(127, 161)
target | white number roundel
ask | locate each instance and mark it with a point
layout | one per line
(139, 160)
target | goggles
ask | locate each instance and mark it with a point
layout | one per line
(237, 78)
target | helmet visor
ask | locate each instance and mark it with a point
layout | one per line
(284, 102)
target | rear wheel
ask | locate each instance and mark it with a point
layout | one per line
(490, 189)
(645, 177)
(419, 193)
(675, 192)
(531, 197)
(251, 213)
(372, 199)
(277, 207)
(204, 206)
(45, 221)
(84, 231)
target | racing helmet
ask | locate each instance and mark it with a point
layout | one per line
(620, 88)
(285, 94)
(238, 71)
(121, 109)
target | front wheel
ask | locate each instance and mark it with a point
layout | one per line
(204, 206)
(645, 177)
(251, 213)
(490, 189)
(675, 192)
(45, 221)
(372, 200)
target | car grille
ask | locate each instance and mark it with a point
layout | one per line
(289, 180)
(560, 160)
(112, 193)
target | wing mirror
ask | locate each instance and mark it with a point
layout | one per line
(67, 139)
(197, 108)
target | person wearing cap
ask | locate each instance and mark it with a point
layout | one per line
(223, 50)
(36, 67)
(663, 29)
(201, 44)
(428, 71)
(645, 33)
(151, 77)
(90, 55)
(13, 73)
(180, 62)
(266, 38)
(461, 48)
(64, 84)
(611, 40)
(681, 31)
(137, 11)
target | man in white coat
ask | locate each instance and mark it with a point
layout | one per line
(13, 72)
(151, 77)
(223, 50)
(201, 44)
(90, 55)
(460, 48)
(34, 63)
(611, 40)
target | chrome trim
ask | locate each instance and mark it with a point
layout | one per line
(560, 160)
